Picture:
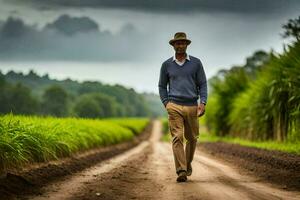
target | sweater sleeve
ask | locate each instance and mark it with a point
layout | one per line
(202, 83)
(162, 84)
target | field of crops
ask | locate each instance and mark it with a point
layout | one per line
(25, 139)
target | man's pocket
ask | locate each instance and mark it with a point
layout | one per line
(169, 104)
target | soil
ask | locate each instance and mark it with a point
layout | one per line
(280, 168)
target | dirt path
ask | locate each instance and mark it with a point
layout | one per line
(147, 172)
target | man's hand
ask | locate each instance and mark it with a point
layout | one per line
(201, 110)
(166, 103)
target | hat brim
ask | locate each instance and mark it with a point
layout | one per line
(171, 42)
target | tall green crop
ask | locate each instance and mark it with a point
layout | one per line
(26, 139)
(270, 107)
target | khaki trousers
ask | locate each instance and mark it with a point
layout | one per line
(183, 121)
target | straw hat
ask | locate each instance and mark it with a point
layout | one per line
(179, 36)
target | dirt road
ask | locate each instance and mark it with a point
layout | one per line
(147, 172)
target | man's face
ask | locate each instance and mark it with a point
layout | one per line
(180, 46)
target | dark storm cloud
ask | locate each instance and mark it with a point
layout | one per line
(67, 38)
(239, 6)
(72, 25)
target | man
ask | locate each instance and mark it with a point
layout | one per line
(185, 76)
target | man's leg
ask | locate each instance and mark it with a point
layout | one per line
(176, 130)
(191, 133)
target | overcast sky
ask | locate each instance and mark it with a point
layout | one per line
(126, 41)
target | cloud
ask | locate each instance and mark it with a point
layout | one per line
(14, 28)
(72, 25)
(234, 6)
(69, 38)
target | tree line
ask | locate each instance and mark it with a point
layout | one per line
(32, 94)
(261, 99)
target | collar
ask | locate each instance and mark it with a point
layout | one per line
(187, 57)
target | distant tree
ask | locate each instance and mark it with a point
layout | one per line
(87, 107)
(104, 105)
(153, 101)
(17, 99)
(22, 101)
(46, 76)
(137, 104)
(89, 87)
(3, 92)
(2, 80)
(33, 75)
(55, 101)
(256, 61)
(292, 29)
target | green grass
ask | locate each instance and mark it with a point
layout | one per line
(165, 130)
(29, 139)
(166, 137)
(136, 125)
(270, 145)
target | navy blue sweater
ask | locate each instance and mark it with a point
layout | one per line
(186, 83)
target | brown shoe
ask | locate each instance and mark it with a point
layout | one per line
(182, 176)
(189, 170)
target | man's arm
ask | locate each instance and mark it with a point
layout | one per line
(162, 85)
(202, 84)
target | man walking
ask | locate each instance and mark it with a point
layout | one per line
(186, 80)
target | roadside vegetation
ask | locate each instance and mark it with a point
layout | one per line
(166, 136)
(30, 139)
(258, 104)
(290, 147)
